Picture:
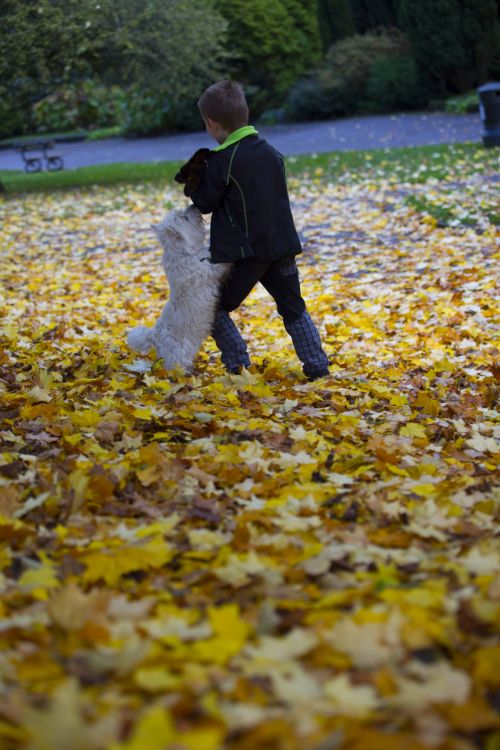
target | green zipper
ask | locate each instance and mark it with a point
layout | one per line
(244, 204)
(230, 177)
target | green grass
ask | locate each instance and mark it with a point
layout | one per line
(415, 165)
(442, 214)
(452, 213)
(16, 182)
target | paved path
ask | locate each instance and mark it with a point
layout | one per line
(382, 131)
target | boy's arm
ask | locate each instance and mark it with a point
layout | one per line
(208, 196)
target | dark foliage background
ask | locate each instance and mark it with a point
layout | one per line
(140, 65)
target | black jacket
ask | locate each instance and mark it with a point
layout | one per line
(244, 187)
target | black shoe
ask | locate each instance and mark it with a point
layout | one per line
(317, 374)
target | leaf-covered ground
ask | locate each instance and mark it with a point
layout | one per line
(253, 561)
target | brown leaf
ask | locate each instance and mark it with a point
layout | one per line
(71, 609)
(107, 432)
(9, 500)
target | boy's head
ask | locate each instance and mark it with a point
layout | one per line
(224, 108)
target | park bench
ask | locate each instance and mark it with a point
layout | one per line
(34, 163)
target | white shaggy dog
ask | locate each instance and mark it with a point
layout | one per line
(195, 283)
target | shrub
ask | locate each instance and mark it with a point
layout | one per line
(307, 100)
(453, 41)
(275, 116)
(85, 105)
(481, 36)
(273, 43)
(335, 21)
(11, 120)
(44, 45)
(186, 116)
(144, 111)
(101, 133)
(494, 72)
(461, 105)
(344, 73)
(393, 84)
(175, 47)
(374, 14)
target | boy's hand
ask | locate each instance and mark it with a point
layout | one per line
(191, 173)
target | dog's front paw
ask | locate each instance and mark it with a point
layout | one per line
(139, 339)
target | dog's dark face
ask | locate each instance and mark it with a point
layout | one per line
(182, 232)
(191, 173)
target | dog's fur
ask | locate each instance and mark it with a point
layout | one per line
(195, 283)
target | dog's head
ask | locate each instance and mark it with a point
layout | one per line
(190, 174)
(181, 232)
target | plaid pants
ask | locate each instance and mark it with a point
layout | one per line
(307, 345)
(281, 280)
(234, 354)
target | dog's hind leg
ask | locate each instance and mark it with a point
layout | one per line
(142, 338)
(139, 339)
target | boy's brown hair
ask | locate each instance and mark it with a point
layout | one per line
(225, 103)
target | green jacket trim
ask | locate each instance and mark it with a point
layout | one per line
(243, 202)
(231, 162)
(237, 135)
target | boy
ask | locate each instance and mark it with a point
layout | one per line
(244, 187)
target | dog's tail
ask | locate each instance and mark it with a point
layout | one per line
(139, 339)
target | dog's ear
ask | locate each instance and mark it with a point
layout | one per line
(193, 167)
(182, 174)
(162, 231)
(173, 233)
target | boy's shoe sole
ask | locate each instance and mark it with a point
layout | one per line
(237, 370)
(317, 375)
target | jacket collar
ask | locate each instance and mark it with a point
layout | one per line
(236, 136)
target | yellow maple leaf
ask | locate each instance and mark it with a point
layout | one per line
(61, 726)
(484, 444)
(153, 731)
(280, 649)
(143, 412)
(230, 634)
(424, 490)
(396, 470)
(487, 665)
(156, 679)
(209, 738)
(412, 429)
(79, 481)
(427, 404)
(110, 564)
(429, 684)
(85, 417)
(12, 734)
(41, 578)
(148, 476)
(38, 395)
(398, 400)
(71, 608)
(73, 439)
(348, 699)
